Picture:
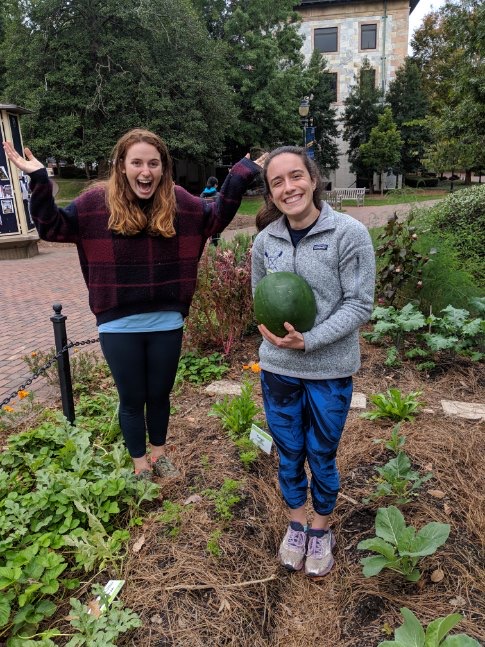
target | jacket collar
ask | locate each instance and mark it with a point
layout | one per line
(325, 222)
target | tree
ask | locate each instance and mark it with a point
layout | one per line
(450, 51)
(324, 116)
(383, 150)
(445, 152)
(409, 108)
(362, 109)
(264, 67)
(94, 68)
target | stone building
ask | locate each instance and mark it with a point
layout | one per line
(347, 31)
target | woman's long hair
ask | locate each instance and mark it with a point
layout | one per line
(269, 212)
(126, 215)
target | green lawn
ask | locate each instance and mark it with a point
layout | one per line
(69, 189)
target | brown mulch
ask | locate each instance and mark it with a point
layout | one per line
(188, 597)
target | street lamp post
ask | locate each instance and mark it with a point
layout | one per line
(307, 125)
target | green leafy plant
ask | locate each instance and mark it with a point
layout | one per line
(396, 479)
(396, 441)
(400, 547)
(248, 452)
(412, 634)
(392, 357)
(225, 498)
(394, 323)
(237, 414)
(171, 517)
(221, 311)
(394, 405)
(456, 331)
(100, 630)
(398, 260)
(213, 545)
(59, 491)
(200, 370)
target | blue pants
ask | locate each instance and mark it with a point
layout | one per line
(306, 419)
(143, 365)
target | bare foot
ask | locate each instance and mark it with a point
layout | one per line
(156, 452)
(141, 464)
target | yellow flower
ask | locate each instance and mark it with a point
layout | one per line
(254, 367)
(7, 408)
(23, 394)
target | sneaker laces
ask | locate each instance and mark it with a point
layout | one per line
(296, 538)
(316, 546)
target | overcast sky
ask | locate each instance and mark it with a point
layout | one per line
(416, 18)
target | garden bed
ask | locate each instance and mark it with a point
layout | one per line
(187, 596)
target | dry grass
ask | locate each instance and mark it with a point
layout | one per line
(188, 597)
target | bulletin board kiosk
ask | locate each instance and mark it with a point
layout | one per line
(18, 236)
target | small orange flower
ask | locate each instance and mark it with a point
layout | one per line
(245, 367)
(33, 354)
(23, 394)
(255, 367)
(7, 408)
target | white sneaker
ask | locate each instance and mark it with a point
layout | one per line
(319, 557)
(293, 546)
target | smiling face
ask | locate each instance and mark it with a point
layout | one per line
(291, 189)
(142, 167)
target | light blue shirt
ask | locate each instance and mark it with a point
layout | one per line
(144, 322)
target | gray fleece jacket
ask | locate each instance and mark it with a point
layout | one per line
(337, 260)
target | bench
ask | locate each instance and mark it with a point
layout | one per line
(352, 194)
(333, 199)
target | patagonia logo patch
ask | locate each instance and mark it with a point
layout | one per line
(320, 246)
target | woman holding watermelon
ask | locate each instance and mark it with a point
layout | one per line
(139, 238)
(306, 375)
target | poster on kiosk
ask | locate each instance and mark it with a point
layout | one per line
(15, 215)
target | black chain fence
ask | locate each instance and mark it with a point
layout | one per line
(40, 371)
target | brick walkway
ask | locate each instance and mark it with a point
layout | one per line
(30, 287)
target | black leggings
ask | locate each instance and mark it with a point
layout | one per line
(144, 366)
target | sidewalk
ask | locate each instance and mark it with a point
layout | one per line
(31, 286)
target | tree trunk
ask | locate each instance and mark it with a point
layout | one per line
(468, 177)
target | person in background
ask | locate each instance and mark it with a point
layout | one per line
(139, 239)
(210, 193)
(306, 377)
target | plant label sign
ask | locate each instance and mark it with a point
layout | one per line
(261, 438)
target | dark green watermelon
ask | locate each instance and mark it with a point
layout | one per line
(284, 296)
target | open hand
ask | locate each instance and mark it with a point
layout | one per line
(293, 339)
(261, 159)
(28, 165)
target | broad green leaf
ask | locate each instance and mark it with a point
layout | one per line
(391, 643)
(438, 629)
(390, 524)
(460, 640)
(428, 539)
(378, 545)
(410, 633)
(4, 611)
(373, 565)
(439, 342)
(414, 575)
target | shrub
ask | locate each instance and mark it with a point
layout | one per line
(221, 311)
(462, 217)
(445, 277)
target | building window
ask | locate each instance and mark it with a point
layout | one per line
(368, 77)
(368, 36)
(326, 39)
(331, 83)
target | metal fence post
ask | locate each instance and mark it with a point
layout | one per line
(63, 366)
